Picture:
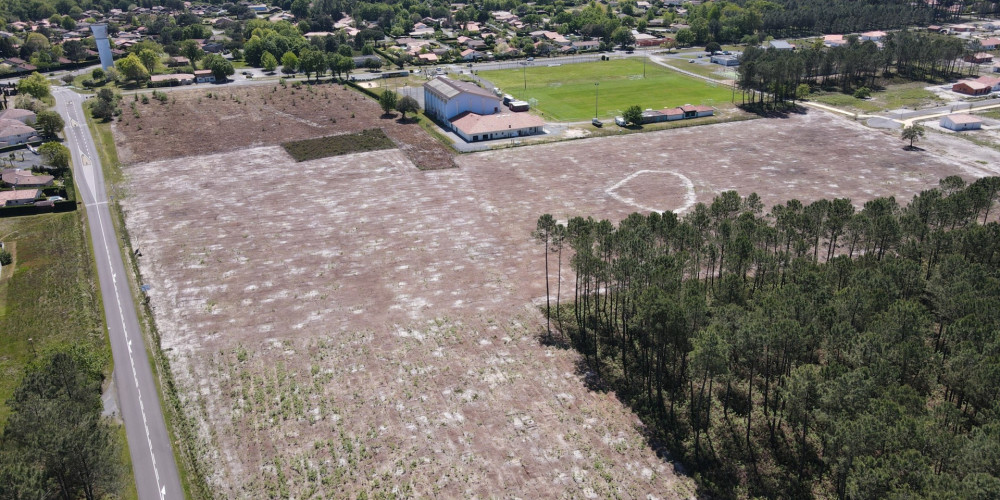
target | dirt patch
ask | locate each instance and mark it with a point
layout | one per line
(363, 325)
(199, 122)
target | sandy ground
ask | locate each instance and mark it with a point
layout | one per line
(353, 323)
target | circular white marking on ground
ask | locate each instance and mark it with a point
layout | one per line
(658, 181)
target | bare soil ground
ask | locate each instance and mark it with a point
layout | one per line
(363, 325)
(228, 119)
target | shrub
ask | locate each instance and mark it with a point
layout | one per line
(6, 258)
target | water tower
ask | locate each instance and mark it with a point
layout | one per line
(103, 46)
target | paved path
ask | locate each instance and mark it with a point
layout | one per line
(149, 444)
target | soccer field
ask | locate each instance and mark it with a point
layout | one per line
(567, 92)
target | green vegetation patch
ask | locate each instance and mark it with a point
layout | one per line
(49, 295)
(568, 92)
(910, 96)
(372, 139)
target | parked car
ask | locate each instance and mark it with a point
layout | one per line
(597, 123)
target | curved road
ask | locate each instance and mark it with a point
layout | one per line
(149, 444)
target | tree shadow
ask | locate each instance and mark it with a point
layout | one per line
(404, 120)
(387, 116)
(912, 148)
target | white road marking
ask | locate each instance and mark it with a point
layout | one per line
(689, 196)
(121, 314)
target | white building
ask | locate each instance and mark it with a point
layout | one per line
(875, 36)
(445, 99)
(473, 113)
(961, 122)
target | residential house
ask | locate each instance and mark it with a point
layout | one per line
(471, 55)
(204, 76)
(990, 81)
(989, 43)
(961, 122)
(19, 197)
(13, 132)
(24, 178)
(178, 61)
(979, 58)
(834, 40)
(780, 45)
(587, 45)
(971, 87)
(24, 116)
(172, 79)
(874, 36)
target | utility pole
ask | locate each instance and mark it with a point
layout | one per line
(597, 88)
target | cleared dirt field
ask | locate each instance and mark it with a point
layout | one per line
(360, 325)
(221, 119)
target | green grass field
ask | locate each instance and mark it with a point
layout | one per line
(567, 92)
(49, 295)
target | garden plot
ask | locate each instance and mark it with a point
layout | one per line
(365, 326)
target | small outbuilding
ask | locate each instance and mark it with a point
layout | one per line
(726, 59)
(961, 122)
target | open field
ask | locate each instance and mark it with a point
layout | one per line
(260, 115)
(910, 95)
(567, 92)
(49, 296)
(383, 335)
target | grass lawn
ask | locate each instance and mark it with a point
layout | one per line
(49, 295)
(910, 95)
(567, 92)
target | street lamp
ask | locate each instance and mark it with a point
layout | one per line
(597, 87)
(524, 73)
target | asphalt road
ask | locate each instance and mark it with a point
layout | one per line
(149, 444)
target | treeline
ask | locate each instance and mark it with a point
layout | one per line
(815, 351)
(816, 17)
(56, 443)
(768, 75)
